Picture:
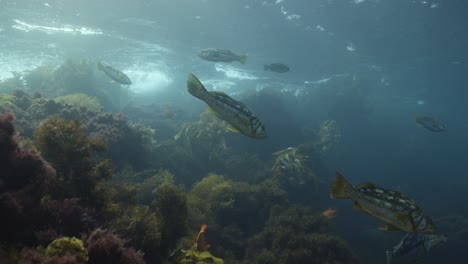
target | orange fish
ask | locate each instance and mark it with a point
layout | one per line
(200, 244)
(330, 213)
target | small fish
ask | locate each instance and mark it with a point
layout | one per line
(416, 246)
(235, 113)
(276, 67)
(430, 123)
(221, 55)
(200, 243)
(114, 74)
(397, 210)
(330, 213)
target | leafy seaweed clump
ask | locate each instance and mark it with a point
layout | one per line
(81, 100)
(68, 246)
(66, 145)
(298, 235)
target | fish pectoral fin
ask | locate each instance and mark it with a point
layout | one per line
(233, 129)
(211, 111)
(389, 227)
(403, 216)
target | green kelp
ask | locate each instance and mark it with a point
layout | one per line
(204, 137)
(197, 254)
(297, 235)
(290, 168)
(81, 100)
(238, 210)
(329, 135)
(66, 145)
(397, 210)
(68, 246)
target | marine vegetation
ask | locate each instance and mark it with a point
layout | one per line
(329, 135)
(197, 254)
(67, 246)
(66, 145)
(290, 168)
(80, 100)
(170, 205)
(414, 247)
(236, 210)
(397, 210)
(24, 180)
(104, 247)
(204, 137)
(297, 235)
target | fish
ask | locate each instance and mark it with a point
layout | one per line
(396, 209)
(200, 244)
(114, 74)
(276, 67)
(222, 55)
(239, 117)
(415, 246)
(430, 123)
(330, 213)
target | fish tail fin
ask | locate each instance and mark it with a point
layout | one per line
(99, 65)
(341, 188)
(195, 87)
(243, 59)
(266, 67)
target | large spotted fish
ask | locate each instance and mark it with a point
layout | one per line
(114, 74)
(235, 113)
(397, 210)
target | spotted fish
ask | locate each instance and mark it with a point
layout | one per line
(430, 123)
(240, 118)
(221, 55)
(397, 210)
(114, 74)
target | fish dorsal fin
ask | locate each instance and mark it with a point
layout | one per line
(211, 111)
(367, 185)
(389, 227)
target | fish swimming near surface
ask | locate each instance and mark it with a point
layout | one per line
(393, 207)
(114, 74)
(414, 247)
(276, 67)
(240, 118)
(221, 55)
(430, 123)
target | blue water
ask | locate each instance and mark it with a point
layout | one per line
(409, 55)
